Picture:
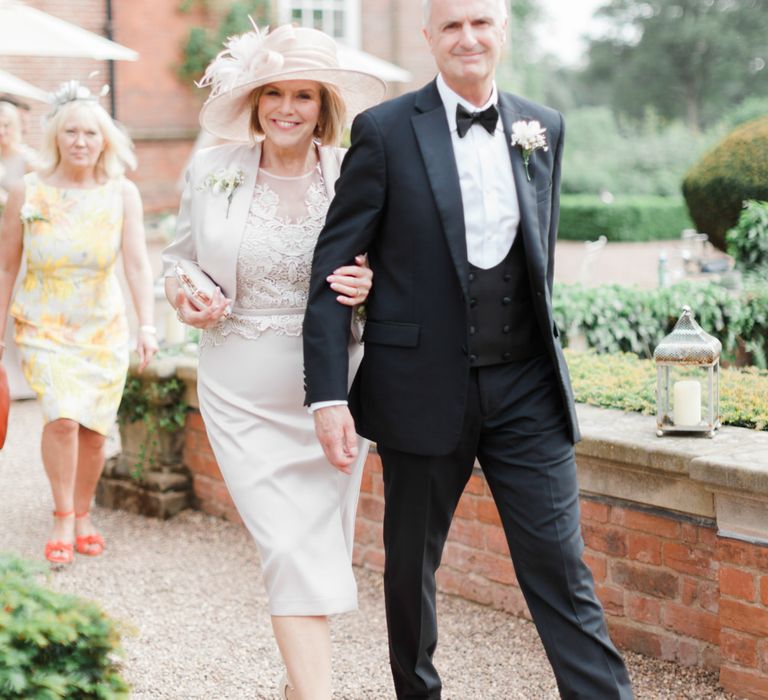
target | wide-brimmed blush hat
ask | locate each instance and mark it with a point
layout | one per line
(258, 58)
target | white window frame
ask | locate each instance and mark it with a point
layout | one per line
(351, 9)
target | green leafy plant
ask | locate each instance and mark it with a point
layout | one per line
(614, 318)
(159, 405)
(748, 240)
(628, 382)
(53, 645)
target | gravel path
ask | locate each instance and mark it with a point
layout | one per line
(189, 595)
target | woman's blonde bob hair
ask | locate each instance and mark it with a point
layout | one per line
(115, 158)
(12, 112)
(330, 121)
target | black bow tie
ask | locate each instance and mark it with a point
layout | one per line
(487, 119)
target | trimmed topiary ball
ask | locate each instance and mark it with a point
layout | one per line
(736, 170)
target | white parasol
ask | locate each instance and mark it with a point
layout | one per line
(11, 85)
(25, 31)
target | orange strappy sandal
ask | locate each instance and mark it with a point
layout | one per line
(90, 545)
(58, 551)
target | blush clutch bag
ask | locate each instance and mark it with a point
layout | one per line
(198, 287)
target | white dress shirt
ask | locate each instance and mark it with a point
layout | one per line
(491, 211)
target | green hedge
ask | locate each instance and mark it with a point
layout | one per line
(53, 645)
(585, 218)
(614, 318)
(627, 382)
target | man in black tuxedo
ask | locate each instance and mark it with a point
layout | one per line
(462, 357)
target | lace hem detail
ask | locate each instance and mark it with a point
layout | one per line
(251, 328)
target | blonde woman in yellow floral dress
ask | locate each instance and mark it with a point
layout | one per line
(70, 222)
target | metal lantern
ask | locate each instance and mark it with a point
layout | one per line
(688, 379)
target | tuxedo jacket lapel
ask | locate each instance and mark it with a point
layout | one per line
(526, 190)
(434, 139)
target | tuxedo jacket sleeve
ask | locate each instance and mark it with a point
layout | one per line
(351, 225)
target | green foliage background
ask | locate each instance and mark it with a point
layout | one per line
(689, 60)
(203, 44)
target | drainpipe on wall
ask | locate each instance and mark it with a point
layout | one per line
(109, 30)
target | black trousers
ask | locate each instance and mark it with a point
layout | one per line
(515, 426)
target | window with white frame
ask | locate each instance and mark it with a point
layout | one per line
(339, 18)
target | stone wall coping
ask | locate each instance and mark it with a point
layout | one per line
(736, 458)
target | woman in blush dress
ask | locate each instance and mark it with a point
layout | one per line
(70, 222)
(249, 218)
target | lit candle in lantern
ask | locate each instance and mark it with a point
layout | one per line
(687, 403)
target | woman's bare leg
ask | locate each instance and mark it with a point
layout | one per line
(90, 465)
(305, 644)
(59, 451)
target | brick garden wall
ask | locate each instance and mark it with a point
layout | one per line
(671, 586)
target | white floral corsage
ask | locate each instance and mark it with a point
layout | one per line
(530, 137)
(29, 214)
(224, 181)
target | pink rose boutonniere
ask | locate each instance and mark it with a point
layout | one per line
(530, 137)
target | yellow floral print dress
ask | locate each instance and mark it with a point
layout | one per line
(71, 327)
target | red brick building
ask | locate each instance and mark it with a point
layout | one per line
(158, 109)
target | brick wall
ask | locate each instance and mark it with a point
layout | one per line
(391, 29)
(671, 587)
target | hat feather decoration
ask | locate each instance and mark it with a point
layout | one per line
(242, 56)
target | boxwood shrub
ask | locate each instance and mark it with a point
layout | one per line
(736, 170)
(586, 218)
(628, 382)
(53, 645)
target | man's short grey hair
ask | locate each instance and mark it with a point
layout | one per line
(427, 6)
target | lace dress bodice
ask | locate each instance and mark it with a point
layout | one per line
(275, 257)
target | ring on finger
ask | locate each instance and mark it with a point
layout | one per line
(179, 316)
